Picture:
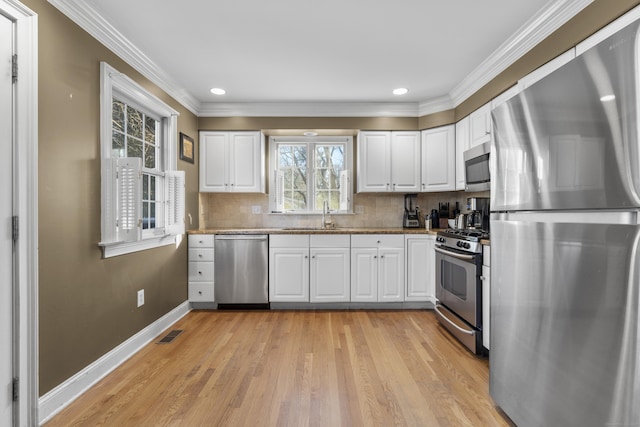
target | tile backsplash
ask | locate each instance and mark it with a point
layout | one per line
(235, 210)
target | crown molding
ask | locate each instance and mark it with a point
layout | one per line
(540, 26)
(309, 109)
(90, 20)
(546, 21)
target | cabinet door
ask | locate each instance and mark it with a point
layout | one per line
(330, 275)
(390, 275)
(374, 167)
(364, 275)
(486, 306)
(405, 161)
(463, 142)
(246, 162)
(438, 159)
(214, 168)
(419, 250)
(289, 274)
(480, 125)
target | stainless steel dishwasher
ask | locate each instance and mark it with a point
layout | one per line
(241, 269)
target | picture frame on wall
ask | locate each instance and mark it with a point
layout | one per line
(186, 148)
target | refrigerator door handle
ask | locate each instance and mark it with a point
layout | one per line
(464, 331)
(455, 255)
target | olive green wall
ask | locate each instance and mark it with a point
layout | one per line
(88, 304)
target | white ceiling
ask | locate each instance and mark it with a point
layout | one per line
(321, 51)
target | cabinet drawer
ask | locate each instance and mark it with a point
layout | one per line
(330, 241)
(200, 271)
(377, 241)
(200, 254)
(201, 292)
(289, 241)
(201, 240)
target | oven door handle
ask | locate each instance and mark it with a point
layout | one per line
(464, 331)
(455, 255)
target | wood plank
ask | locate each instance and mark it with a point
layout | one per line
(297, 368)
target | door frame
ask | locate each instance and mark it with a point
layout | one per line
(25, 206)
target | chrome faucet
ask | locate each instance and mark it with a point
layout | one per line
(327, 221)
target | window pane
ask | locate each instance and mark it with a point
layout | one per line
(152, 188)
(149, 156)
(145, 187)
(150, 130)
(323, 179)
(300, 179)
(300, 200)
(134, 147)
(152, 215)
(117, 146)
(117, 113)
(145, 215)
(134, 122)
(285, 156)
(300, 156)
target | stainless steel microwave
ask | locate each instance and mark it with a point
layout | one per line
(476, 167)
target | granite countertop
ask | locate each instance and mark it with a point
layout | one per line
(312, 230)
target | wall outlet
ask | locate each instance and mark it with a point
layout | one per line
(140, 297)
(359, 209)
(256, 209)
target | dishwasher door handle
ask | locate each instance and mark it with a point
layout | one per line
(236, 237)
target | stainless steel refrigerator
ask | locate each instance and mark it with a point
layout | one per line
(565, 243)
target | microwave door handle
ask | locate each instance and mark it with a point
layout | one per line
(455, 255)
(464, 331)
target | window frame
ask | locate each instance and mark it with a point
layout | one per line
(311, 143)
(118, 85)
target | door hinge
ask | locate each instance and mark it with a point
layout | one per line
(14, 68)
(15, 228)
(16, 389)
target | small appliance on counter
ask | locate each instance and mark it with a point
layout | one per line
(411, 212)
(478, 215)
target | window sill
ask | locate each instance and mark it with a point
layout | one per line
(113, 249)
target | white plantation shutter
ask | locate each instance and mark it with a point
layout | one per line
(279, 175)
(128, 198)
(174, 202)
(344, 190)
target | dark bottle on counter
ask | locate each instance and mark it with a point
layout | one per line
(435, 218)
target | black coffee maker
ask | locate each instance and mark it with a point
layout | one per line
(411, 212)
(478, 215)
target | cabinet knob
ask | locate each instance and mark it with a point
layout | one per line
(199, 255)
(314, 257)
(378, 242)
(381, 256)
(200, 273)
(306, 256)
(375, 256)
(232, 185)
(199, 292)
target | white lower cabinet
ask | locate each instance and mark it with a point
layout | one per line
(377, 268)
(421, 275)
(201, 268)
(486, 295)
(289, 268)
(330, 268)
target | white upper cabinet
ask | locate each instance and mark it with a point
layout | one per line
(463, 143)
(439, 159)
(389, 161)
(480, 125)
(232, 162)
(405, 161)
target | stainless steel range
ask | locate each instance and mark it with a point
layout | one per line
(459, 285)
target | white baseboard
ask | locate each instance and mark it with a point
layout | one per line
(57, 399)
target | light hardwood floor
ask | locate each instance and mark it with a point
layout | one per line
(295, 368)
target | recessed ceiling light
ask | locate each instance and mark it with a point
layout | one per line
(218, 91)
(607, 98)
(400, 91)
(310, 134)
